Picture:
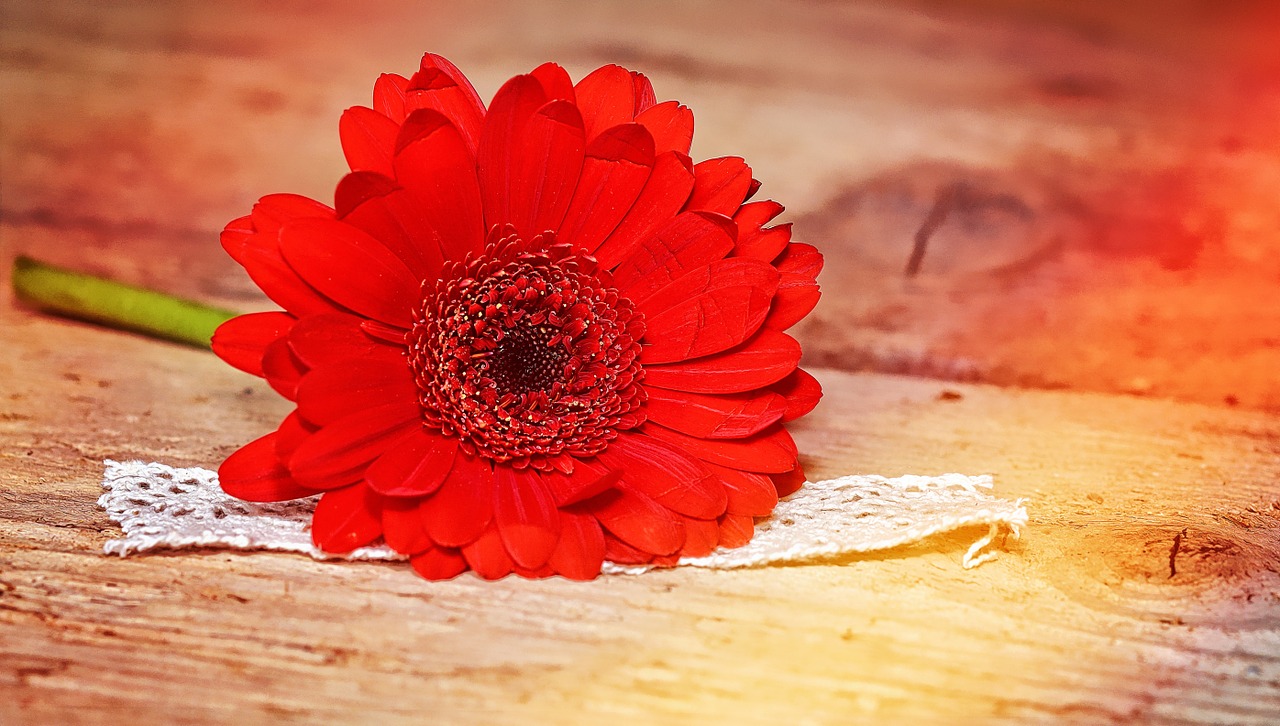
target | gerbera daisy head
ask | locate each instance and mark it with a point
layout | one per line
(525, 338)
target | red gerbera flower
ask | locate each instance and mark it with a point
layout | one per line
(526, 339)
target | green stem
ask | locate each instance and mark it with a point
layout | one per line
(97, 300)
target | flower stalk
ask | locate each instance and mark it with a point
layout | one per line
(115, 304)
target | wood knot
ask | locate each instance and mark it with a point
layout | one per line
(1186, 557)
(1197, 574)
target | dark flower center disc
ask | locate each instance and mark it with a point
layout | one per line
(527, 361)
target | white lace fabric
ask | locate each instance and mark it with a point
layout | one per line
(159, 506)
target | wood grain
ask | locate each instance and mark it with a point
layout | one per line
(1081, 620)
(131, 133)
(1119, 156)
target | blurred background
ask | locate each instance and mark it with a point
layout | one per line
(1089, 186)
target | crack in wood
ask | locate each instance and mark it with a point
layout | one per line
(1173, 552)
(942, 205)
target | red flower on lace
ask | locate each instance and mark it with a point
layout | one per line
(525, 339)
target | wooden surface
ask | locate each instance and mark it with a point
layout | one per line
(1081, 621)
(1119, 235)
(1117, 159)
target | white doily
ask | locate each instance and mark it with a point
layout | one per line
(159, 506)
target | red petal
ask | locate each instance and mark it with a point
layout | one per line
(555, 82)
(766, 244)
(415, 465)
(511, 111)
(439, 563)
(242, 340)
(660, 200)
(238, 235)
(802, 392)
(254, 243)
(736, 530)
(585, 482)
(389, 94)
(254, 473)
(279, 281)
(421, 125)
(488, 557)
(368, 139)
(282, 369)
(383, 332)
(352, 268)
(757, 214)
(754, 239)
(402, 526)
(728, 416)
(619, 552)
(339, 453)
(671, 125)
(796, 298)
(292, 432)
(769, 452)
(397, 220)
(275, 210)
(527, 518)
(666, 475)
(330, 393)
(764, 359)
(617, 165)
(684, 243)
(319, 340)
(537, 573)
(708, 310)
(789, 482)
(701, 536)
(720, 185)
(639, 521)
(439, 85)
(463, 507)
(443, 211)
(607, 97)
(547, 162)
(580, 551)
(750, 494)
(797, 291)
(359, 187)
(346, 518)
(802, 260)
(645, 97)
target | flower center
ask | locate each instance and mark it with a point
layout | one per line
(526, 360)
(527, 354)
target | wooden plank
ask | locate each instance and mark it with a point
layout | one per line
(1117, 157)
(1081, 620)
